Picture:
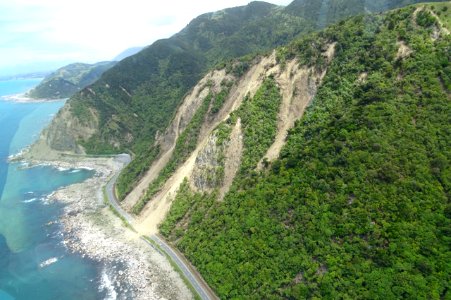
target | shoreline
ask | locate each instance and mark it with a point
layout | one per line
(130, 268)
(23, 98)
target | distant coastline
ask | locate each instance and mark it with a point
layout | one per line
(35, 75)
(23, 98)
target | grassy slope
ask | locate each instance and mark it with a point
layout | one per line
(358, 204)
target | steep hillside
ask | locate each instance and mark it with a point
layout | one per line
(321, 171)
(317, 170)
(68, 80)
(136, 99)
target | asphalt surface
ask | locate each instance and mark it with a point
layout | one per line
(198, 284)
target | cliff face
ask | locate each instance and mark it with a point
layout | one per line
(63, 135)
(65, 122)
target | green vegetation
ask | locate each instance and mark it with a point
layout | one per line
(131, 175)
(184, 201)
(426, 19)
(187, 207)
(66, 81)
(57, 88)
(185, 144)
(324, 13)
(443, 11)
(259, 123)
(138, 97)
(357, 207)
(222, 133)
(220, 98)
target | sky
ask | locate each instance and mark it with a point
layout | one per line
(42, 35)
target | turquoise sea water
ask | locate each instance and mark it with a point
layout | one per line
(33, 262)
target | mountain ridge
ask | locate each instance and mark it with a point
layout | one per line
(126, 53)
(134, 101)
(68, 80)
(356, 203)
(319, 169)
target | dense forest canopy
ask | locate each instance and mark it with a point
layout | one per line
(357, 206)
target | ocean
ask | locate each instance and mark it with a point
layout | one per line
(34, 264)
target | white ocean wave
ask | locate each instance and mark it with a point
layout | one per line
(48, 262)
(18, 154)
(30, 200)
(86, 168)
(47, 199)
(107, 285)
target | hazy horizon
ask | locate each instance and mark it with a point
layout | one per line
(44, 35)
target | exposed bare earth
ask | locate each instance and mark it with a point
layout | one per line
(298, 86)
(403, 50)
(437, 30)
(155, 211)
(135, 270)
(443, 28)
(203, 176)
(362, 77)
(168, 140)
(295, 97)
(157, 208)
(233, 155)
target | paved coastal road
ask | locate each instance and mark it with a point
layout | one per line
(202, 289)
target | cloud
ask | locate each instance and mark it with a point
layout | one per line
(55, 31)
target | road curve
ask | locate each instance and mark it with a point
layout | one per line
(201, 287)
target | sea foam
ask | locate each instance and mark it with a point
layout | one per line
(107, 285)
(48, 262)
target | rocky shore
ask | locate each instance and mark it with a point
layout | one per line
(131, 268)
